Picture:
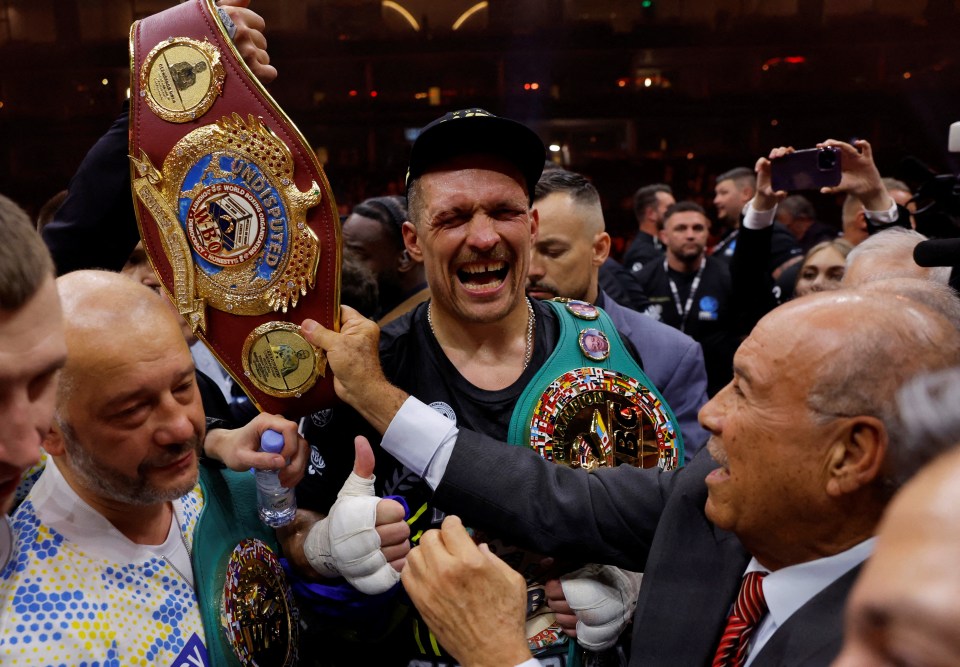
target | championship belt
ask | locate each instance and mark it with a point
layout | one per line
(249, 613)
(591, 405)
(234, 210)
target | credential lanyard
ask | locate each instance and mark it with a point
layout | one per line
(684, 310)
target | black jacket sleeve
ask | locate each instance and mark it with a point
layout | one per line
(607, 516)
(96, 227)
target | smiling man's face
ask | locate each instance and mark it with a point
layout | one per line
(129, 418)
(773, 449)
(474, 233)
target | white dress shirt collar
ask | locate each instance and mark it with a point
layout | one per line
(788, 589)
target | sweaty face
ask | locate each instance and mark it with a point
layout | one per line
(905, 608)
(132, 423)
(562, 263)
(684, 235)
(729, 201)
(770, 448)
(820, 272)
(474, 234)
(32, 351)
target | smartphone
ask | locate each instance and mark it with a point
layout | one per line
(809, 169)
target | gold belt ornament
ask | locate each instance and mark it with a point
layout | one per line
(235, 212)
(594, 417)
(258, 615)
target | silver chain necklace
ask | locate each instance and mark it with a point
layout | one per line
(531, 324)
(183, 539)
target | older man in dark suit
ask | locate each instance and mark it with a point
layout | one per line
(748, 554)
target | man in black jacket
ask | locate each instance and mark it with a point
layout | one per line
(798, 479)
(692, 292)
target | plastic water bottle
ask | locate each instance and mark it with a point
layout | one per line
(277, 504)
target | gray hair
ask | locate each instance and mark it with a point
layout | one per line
(895, 184)
(894, 247)
(928, 408)
(935, 296)
(901, 340)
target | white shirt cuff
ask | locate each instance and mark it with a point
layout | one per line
(754, 219)
(884, 217)
(422, 439)
(532, 662)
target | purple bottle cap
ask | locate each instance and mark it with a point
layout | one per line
(271, 442)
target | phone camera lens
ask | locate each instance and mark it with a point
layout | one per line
(826, 159)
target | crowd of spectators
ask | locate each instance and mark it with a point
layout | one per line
(803, 362)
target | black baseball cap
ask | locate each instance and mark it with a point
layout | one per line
(478, 131)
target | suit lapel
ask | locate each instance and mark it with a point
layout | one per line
(613, 310)
(693, 589)
(813, 634)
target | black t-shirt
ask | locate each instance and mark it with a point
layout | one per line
(412, 360)
(683, 282)
(709, 321)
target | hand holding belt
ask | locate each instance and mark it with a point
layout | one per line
(235, 212)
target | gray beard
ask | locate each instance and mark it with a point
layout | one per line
(136, 491)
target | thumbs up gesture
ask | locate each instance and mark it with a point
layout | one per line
(364, 538)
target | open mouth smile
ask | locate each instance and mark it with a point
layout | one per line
(484, 276)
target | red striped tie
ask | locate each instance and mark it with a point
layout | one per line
(743, 620)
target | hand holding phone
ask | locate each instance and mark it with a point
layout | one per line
(809, 169)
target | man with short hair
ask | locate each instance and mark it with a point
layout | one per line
(371, 233)
(104, 539)
(571, 244)
(649, 204)
(692, 292)
(32, 350)
(889, 254)
(468, 352)
(797, 214)
(470, 355)
(853, 218)
(777, 523)
(900, 192)
(733, 189)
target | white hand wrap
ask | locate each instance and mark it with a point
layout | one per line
(604, 598)
(346, 542)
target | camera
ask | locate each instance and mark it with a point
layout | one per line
(827, 159)
(809, 169)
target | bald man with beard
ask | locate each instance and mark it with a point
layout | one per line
(102, 569)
